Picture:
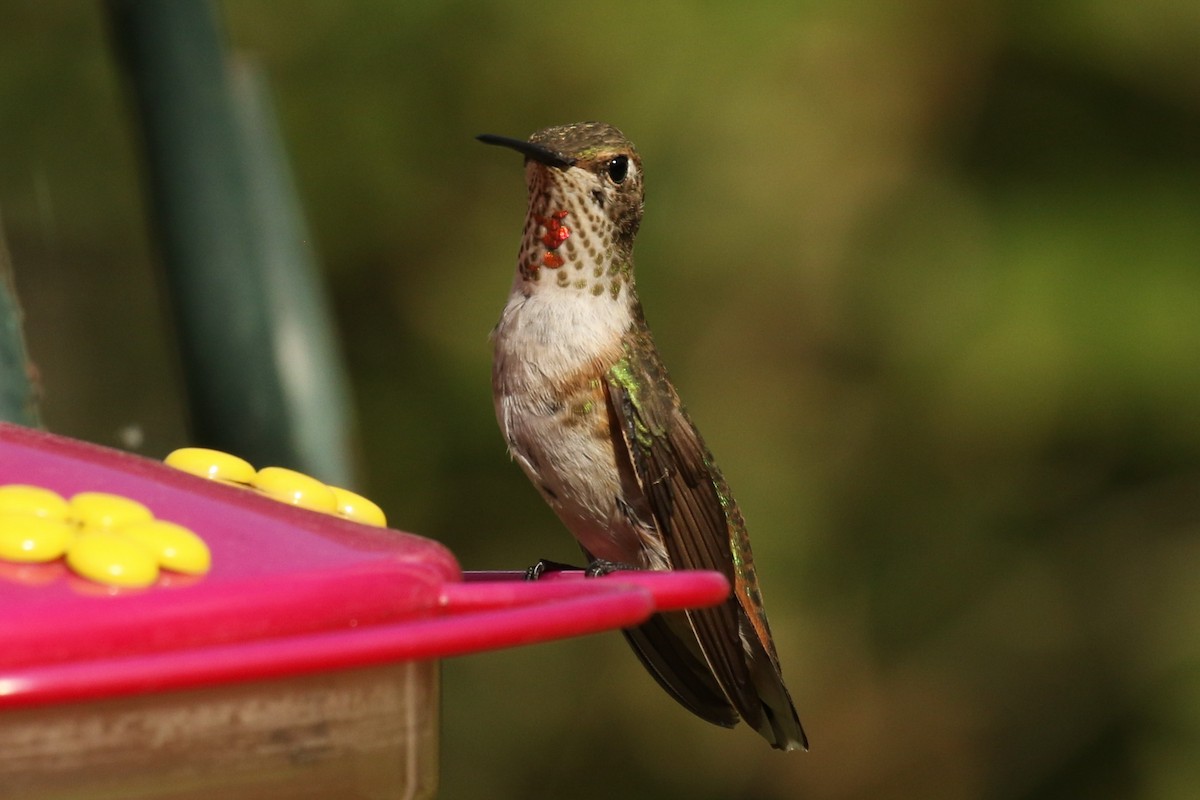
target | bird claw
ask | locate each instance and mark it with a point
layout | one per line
(543, 566)
(596, 568)
(600, 567)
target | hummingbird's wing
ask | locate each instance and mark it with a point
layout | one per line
(673, 468)
(701, 528)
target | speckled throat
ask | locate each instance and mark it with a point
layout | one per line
(569, 239)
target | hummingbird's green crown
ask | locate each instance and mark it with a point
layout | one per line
(584, 141)
(585, 206)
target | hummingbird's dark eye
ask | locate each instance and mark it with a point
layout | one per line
(618, 168)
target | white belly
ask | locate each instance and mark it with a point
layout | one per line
(550, 407)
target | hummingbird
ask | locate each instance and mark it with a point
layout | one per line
(590, 414)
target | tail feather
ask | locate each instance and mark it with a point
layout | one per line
(670, 652)
(779, 723)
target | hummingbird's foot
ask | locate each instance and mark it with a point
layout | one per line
(600, 567)
(543, 566)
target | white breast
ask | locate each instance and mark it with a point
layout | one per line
(560, 328)
(544, 340)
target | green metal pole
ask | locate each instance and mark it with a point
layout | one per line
(229, 230)
(18, 393)
(308, 362)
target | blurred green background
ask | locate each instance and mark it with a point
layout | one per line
(927, 274)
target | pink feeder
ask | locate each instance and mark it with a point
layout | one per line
(305, 663)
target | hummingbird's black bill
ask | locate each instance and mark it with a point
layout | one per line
(537, 152)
